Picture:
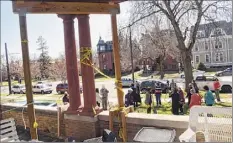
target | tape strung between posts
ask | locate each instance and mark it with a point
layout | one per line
(86, 56)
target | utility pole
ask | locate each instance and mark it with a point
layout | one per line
(8, 69)
(131, 51)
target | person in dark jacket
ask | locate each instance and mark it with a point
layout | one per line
(189, 94)
(175, 102)
(195, 87)
(128, 98)
(158, 92)
(136, 97)
(65, 98)
(181, 100)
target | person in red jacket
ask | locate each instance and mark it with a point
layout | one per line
(195, 99)
(216, 89)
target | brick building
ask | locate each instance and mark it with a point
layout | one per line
(105, 55)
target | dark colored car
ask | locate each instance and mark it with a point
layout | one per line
(150, 84)
(63, 87)
(226, 72)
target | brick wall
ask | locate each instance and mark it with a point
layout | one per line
(82, 127)
(135, 121)
(46, 119)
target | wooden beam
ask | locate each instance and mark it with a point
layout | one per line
(116, 55)
(64, 7)
(27, 74)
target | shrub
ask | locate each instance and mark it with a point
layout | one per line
(201, 66)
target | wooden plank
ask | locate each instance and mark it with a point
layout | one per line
(11, 134)
(12, 139)
(27, 73)
(10, 124)
(65, 7)
(13, 128)
(6, 120)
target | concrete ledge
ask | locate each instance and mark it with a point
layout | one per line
(80, 118)
(171, 121)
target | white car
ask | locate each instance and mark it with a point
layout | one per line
(44, 82)
(41, 88)
(226, 86)
(126, 82)
(18, 89)
(195, 73)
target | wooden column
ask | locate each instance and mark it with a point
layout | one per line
(71, 63)
(27, 74)
(88, 79)
(116, 54)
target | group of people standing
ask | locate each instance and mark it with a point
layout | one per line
(176, 93)
(193, 95)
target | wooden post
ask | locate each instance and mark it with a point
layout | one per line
(116, 55)
(27, 74)
(111, 117)
(123, 121)
(59, 116)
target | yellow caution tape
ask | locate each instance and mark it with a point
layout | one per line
(35, 124)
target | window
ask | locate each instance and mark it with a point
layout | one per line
(219, 57)
(217, 32)
(207, 58)
(197, 59)
(206, 46)
(102, 48)
(200, 34)
(218, 45)
(196, 48)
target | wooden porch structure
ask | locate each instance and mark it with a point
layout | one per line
(68, 10)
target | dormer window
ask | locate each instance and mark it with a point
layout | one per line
(200, 34)
(217, 32)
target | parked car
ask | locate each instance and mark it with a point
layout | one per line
(226, 86)
(41, 88)
(18, 89)
(126, 82)
(226, 72)
(63, 87)
(44, 82)
(150, 84)
(195, 73)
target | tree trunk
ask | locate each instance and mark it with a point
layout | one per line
(186, 58)
(161, 68)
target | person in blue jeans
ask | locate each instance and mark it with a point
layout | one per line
(158, 92)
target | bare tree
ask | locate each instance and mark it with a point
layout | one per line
(181, 14)
(59, 68)
(125, 52)
(158, 45)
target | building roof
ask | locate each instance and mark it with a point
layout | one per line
(208, 27)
